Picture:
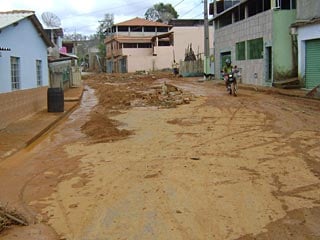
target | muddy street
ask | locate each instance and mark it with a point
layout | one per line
(142, 160)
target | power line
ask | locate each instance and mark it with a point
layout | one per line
(191, 9)
(178, 3)
(106, 10)
(121, 6)
(198, 15)
(89, 14)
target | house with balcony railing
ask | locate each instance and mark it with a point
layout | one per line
(138, 45)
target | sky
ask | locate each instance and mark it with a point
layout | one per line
(80, 16)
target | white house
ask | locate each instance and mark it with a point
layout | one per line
(23, 66)
(307, 34)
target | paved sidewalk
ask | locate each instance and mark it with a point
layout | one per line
(23, 132)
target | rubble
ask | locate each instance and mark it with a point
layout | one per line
(10, 217)
(116, 92)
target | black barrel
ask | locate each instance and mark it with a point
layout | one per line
(55, 97)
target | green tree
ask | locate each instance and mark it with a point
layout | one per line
(105, 24)
(161, 12)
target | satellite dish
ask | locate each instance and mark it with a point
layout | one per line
(51, 20)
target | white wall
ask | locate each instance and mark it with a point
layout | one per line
(183, 36)
(25, 43)
(142, 59)
(305, 33)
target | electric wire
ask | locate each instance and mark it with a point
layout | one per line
(127, 13)
(191, 9)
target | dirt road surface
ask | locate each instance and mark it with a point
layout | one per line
(142, 160)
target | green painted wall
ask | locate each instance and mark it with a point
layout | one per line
(282, 44)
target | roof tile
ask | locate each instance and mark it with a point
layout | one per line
(142, 22)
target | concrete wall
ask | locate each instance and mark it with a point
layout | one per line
(260, 25)
(282, 44)
(25, 43)
(143, 59)
(18, 104)
(183, 36)
(308, 9)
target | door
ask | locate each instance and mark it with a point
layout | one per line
(123, 65)
(312, 63)
(268, 64)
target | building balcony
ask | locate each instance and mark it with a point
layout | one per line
(114, 53)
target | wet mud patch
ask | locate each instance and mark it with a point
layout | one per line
(297, 224)
(315, 167)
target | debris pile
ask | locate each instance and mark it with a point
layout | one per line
(163, 96)
(118, 92)
(9, 218)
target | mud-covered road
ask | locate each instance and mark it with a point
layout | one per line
(195, 163)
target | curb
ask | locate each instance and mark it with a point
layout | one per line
(43, 131)
(51, 125)
(58, 119)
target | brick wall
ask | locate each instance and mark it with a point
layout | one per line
(18, 104)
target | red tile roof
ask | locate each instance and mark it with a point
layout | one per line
(128, 39)
(142, 22)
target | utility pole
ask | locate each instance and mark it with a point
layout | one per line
(206, 41)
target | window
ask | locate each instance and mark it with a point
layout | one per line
(136, 29)
(39, 72)
(286, 4)
(162, 29)
(226, 19)
(163, 43)
(241, 50)
(258, 6)
(254, 7)
(123, 29)
(149, 29)
(255, 48)
(144, 45)
(130, 45)
(15, 73)
(266, 5)
(239, 13)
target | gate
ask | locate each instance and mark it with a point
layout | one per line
(123, 65)
(312, 63)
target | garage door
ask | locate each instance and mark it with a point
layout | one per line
(312, 63)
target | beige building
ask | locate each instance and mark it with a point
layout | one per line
(138, 45)
(142, 45)
(189, 32)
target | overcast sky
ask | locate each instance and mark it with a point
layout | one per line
(82, 16)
